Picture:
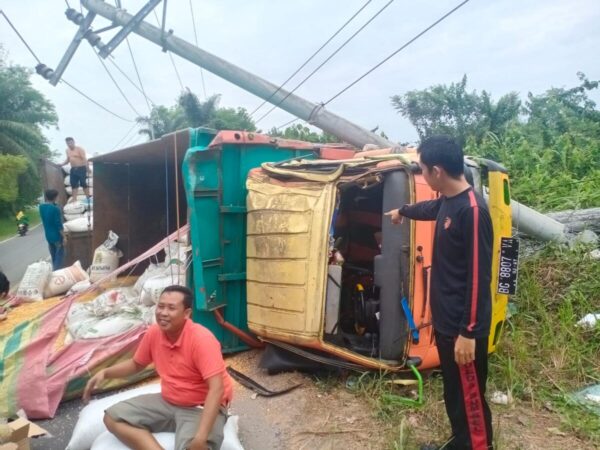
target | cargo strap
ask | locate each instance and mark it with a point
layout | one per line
(254, 386)
(411, 321)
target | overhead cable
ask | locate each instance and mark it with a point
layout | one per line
(168, 52)
(310, 58)
(347, 41)
(21, 37)
(94, 101)
(62, 80)
(124, 137)
(138, 75)
(116, 84)
(397, 51)
(196, 40)
(133, 83)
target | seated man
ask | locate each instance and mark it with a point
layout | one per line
(195, 387)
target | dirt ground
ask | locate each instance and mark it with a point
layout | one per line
(315, 417)
(335, 418)
(307, 418)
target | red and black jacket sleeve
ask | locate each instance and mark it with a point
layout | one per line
(426, 210)
(476, 226)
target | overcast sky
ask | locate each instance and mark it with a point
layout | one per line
(502, 46)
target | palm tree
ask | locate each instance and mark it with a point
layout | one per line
(24, 112)
(161, 121)
(198, 113)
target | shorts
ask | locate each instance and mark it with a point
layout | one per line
(78, 177)
(151, 412)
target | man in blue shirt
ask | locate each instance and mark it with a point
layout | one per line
(53, 228)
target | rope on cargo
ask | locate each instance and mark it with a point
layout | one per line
(167, 200)
(176, 166)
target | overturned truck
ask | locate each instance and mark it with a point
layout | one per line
(330, 279)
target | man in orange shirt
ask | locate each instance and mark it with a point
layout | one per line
(195, 387)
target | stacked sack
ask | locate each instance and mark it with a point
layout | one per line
(39, 282)
(89, 179)
(106, 258)
(78, 214)
(120, 309)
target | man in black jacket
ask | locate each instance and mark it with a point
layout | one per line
(460, 289)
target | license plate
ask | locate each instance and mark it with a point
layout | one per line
(508, 269)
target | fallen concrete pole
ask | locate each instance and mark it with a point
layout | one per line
(577, 220)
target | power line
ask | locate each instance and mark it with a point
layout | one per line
(168, 52)
(21, 37)
(196, 40)
(176, 71)
(123, 138)
(326, 60)
(397, 51)
(111, 60)
(311, 56)
(138, 75)
(94, 101)
(287, 124)
(62, 80)
(116, 84)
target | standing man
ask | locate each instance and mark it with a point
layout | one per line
(53, 228)
(460, 290)
(79, 168)
(195, 387)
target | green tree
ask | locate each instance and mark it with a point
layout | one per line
(190, 111)
(303, 133)
(553, 154)
(10, 168)
(162, 120)
(453, 110)
(24, 114)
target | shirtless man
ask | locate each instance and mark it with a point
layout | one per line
(79, 168)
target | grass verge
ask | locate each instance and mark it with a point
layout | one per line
(8, 225)
(543, 357)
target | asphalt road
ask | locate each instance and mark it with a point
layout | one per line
(18, 252)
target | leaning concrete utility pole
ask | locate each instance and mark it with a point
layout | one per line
(312, 113)
(524, 218)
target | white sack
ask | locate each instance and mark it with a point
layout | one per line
(151, 271)
(109, 302)
(69, 217)
(79, 225)
(34, 281)
(90, 424)
(107, 326)
(108, 441)
(231, 441)
(80, 286)
(60, 281)
(69, 190)
(153, 287)
(106, 258)
(76, 207)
